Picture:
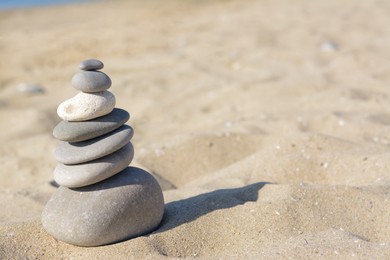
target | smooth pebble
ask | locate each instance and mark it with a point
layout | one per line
(80, 152)
(88, 173)
(85, 130)
(91, 64)
(86, 106)
(91, 81)
(124, 206)
(30, 89)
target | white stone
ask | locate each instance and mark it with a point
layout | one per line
(86, 106)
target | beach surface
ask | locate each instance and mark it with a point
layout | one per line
(267, 123)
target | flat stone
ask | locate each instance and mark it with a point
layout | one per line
(86, 106)
(85, 130)
(91, 81)
(127, 205)
(91, 64)
(80, 152)
(88, 173)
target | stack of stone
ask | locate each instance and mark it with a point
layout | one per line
(100, 200)
(95, 143)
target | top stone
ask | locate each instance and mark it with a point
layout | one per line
(91, 64)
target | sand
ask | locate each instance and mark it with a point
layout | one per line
(266, 122)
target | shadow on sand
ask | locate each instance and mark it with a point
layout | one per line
(187, 210)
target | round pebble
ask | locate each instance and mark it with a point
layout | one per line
(88, 173)
(80, 152)
(85, 130)
(91, 64)
(124, 206)
(86, 106)
(91, 81)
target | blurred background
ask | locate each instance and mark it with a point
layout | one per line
(10, 4)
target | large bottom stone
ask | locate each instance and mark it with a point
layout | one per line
(124, 206)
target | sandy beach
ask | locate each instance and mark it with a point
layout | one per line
(267, 123)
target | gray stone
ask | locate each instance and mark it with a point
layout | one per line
(88, 173)
(85, 130)
(91, 64)
(80, 152)
(127, 205)
(86, 106)
(91, 81)
(30, 88)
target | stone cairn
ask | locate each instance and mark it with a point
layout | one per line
(100, 199)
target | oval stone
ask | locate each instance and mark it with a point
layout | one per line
(85, 130)
(91, 81)
(80, 152)
(86, 106)
(127, 205)
(88, 173)
(91, 64)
